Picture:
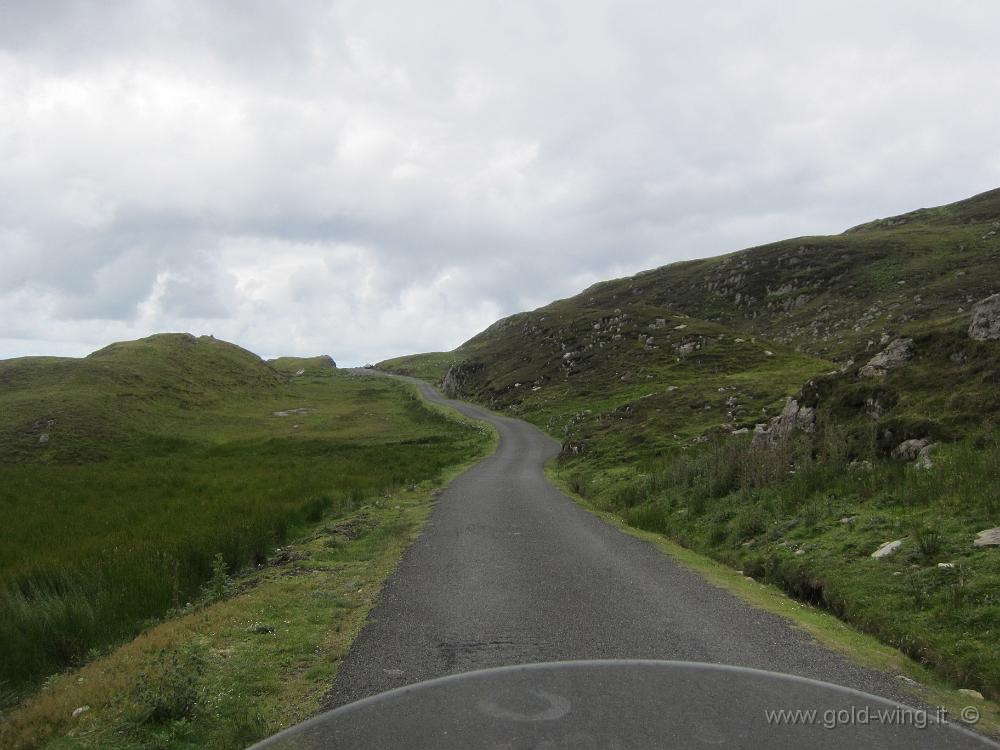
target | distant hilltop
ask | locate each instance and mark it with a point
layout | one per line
(67, 409)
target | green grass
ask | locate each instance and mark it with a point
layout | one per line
(307, 367)
(229, 672)
(208, 451)
(430, 367)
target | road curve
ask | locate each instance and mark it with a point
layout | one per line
(508, 570)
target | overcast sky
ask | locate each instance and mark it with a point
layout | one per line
(367, 179)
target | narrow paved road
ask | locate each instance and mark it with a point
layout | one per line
(508, 570)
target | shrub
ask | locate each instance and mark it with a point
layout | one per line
(218, 584)
(630, 494)
(649, 517)
(170, 690)
(750, 521)
(927, 538)
(578, 485)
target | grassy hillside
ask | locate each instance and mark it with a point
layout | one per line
(127, 396)
(831, 295)
(297, 367)
(670, 393)
(123, 475)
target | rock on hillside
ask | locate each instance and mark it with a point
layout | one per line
(897, 354)
(985, 325)
(457, 381)
(793, 417)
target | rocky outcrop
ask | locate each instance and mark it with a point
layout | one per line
(793, 417)
(887, 549)
(924, 460)
(909, 449)
(458, 380)
(988, 538)
(895, 355)
(916, 450)
(985, 325)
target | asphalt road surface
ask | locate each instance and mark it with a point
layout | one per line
(622, 705)
(508, 570)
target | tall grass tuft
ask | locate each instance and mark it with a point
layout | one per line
(96, 550)
(928, 538)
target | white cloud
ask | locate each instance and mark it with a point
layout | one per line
(369, 179)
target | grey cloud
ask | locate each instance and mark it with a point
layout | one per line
(366, 179)
(206, 294)
(112, 291)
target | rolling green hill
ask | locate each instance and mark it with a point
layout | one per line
(128, 477)
(788, 409)
(298, 367)
(128, 394)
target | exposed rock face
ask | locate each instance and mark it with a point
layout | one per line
(924, 460)
(760, 437)
(457, 380)
(897, 354)
(298, 411)
(985, 325)
(450, 384)
(802, 417)
(909, 449)
(887, 549)
(793, 417)
(988, 538)
(327, 360)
